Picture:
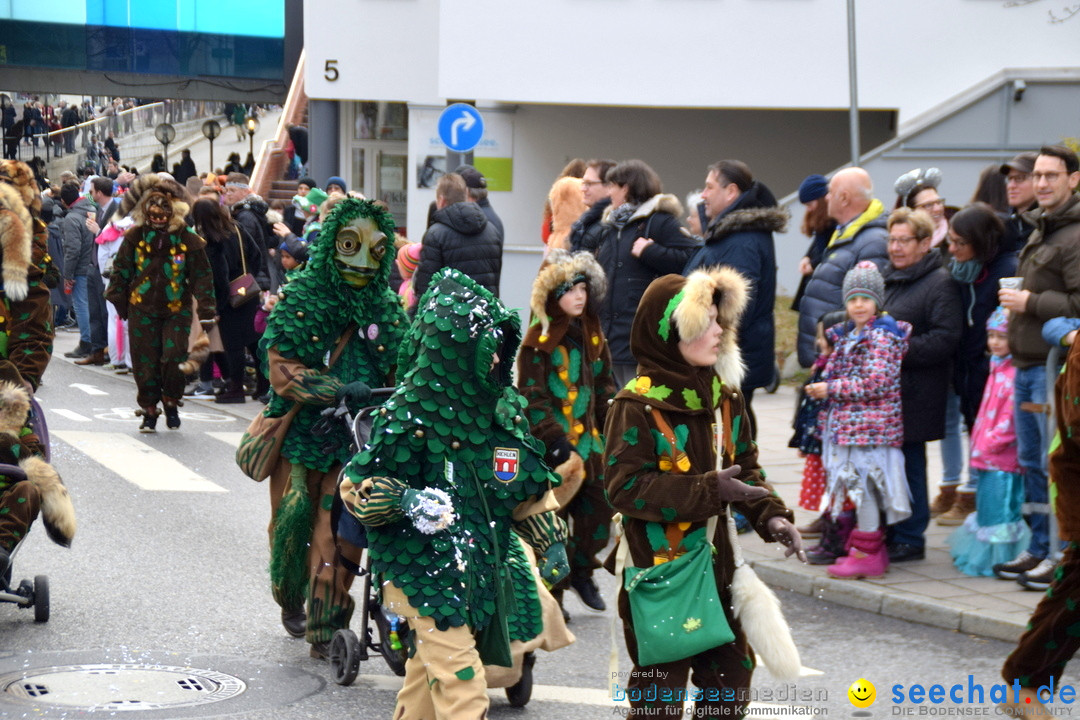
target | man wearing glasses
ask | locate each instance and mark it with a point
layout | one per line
(585, 233)
(1050, 270)
(1020, 190)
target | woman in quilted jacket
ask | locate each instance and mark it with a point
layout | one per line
(863, 423)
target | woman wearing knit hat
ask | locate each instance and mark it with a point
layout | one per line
(863, 427)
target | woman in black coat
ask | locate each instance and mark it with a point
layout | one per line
(920, 291)
(236, 324)
(642, 240)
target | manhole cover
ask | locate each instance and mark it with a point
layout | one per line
(126, 686)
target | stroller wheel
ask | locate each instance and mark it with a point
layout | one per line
(41, 599)
(344, 656)
(395, 657)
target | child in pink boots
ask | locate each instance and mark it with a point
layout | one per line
(863, 426)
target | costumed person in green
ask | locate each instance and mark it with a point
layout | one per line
(564, 372)
(450, 475)
(26, 336)
(333, 335)
(663, 476)
(159, 270)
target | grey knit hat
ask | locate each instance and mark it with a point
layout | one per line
(864, 279)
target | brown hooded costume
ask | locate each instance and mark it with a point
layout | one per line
(564, 372)
(665, 492)
(160, 268)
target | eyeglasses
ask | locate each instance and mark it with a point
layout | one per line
(902, 240)
(590, 183)
(1049, 177)
(1017, 178)
(930, 203)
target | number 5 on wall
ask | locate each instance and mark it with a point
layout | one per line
(331, 73)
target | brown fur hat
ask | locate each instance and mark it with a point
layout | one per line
(559, 268)
(133, 203)
(19, 200)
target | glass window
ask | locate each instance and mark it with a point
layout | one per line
(380, 121)
(357, 183)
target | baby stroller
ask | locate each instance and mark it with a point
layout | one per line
(347, 649)
(33, 593)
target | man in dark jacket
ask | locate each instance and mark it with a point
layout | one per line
(476, 186)
(585, 234)
(861, 235)
(79, 265)
(919, 291)
(1020, 190)
(460, 237)
(1050, 268)
(743, 217)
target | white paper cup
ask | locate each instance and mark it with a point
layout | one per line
(1011, 283)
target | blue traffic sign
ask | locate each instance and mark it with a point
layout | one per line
(461, 127)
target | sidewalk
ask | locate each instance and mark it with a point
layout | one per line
(929, 591)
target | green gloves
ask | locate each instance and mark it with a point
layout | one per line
(355, 395)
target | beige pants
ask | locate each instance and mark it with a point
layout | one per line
(444, 679)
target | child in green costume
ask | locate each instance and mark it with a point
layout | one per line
(450, 475)
(564, 372)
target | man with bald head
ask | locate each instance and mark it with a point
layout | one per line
(860, 235)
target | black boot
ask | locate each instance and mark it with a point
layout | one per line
(149, 419)
(172, 414)
(834, 537)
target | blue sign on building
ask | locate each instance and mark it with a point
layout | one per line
(460, 127)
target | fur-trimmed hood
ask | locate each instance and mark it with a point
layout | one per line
(134, 202)
(676, 307)
(662, 203)
(19, 202)
(767, 219)
(549, 323)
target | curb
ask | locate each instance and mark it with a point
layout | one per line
(877, 599)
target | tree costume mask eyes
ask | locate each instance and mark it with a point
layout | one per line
(159, 210)
(359, 248)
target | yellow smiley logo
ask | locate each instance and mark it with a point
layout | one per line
(862, 693)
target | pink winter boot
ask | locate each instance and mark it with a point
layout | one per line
(867, 557)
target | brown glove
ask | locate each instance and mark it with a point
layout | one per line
(731, 489)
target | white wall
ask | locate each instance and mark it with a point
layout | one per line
(681, 53)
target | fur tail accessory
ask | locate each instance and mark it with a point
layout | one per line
(755, 606)
(198, 351)
(572, 472)
(57, 512)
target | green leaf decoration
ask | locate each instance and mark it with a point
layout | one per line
(669, 514)
(574, 371)
(557, 357)
(682, 434)
(692, 399)
(556, 386)
(465, 674)
(657, 539)
(658, 392)
(630, 436)
(663, 447)
(664, 330)
(581, 402)
(717, 386)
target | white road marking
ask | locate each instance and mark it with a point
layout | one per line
(230, 438)
(137, 462)
(70, 415)
(88, 389)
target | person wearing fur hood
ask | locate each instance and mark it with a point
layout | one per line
(26, 336)
(743, 217)
(564, 372)
(160, 268)
(642, 240)
(664, 476)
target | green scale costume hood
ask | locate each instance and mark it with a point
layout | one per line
(449, 421)
(315, 308)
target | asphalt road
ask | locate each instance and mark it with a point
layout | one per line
(169, 570)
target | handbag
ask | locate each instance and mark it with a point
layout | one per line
(245, 288)
(675, 605)
(260, 445)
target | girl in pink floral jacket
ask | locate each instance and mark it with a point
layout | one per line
(863, 422)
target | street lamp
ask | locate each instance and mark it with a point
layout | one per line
(210, 130)
(165, 134)
(252, 125)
